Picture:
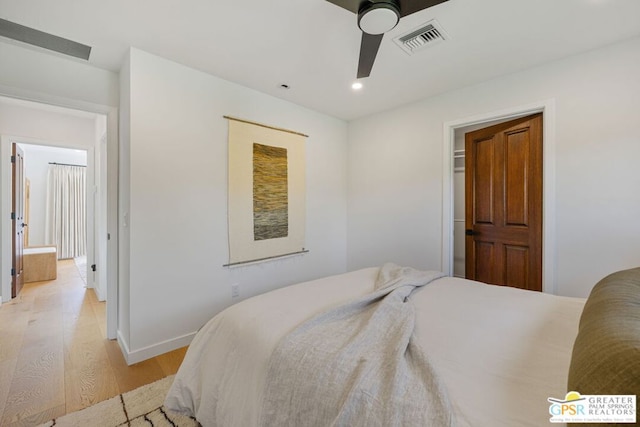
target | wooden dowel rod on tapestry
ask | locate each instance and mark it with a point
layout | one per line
(67, 164)
(265, 126)
(231, 264)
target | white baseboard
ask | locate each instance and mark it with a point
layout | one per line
(154, 350)
(99, 294)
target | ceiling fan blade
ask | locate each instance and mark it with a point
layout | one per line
(370, 43)
(407, 7)
(368, 51)
(350, 5)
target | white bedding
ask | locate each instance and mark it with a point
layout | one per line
(500, 352)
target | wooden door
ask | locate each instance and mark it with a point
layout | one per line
(503, 210)
(17, 219)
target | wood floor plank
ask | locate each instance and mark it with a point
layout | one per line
(170, 362)
(22, 302)
(7, 368)
(38, 381)
(43, 325)
(54, 355)
(12, 329)
(40, 417)
(82, 324)
(134, 376)
(91, 297)
(81, 347)
(100, 311)
(90, 383)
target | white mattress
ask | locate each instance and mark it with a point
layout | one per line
(39, 250)
(499, 351)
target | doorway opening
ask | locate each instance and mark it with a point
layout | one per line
(76, 128)
(453, 226)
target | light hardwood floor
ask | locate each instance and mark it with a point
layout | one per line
(54, 355)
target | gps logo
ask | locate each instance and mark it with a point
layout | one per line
(568, 406)
(577, 408)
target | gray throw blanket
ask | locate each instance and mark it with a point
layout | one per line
(358, 364)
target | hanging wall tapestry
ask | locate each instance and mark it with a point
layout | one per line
(266, 192)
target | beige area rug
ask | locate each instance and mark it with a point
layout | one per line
(139, 407)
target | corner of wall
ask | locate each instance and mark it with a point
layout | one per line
(136, 356)
(123, 205)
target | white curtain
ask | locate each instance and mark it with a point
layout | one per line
(66, 210)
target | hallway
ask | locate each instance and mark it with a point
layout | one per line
(54, 355)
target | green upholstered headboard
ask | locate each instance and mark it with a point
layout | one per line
(606, 353)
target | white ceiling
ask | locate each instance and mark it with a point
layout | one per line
(312, 45)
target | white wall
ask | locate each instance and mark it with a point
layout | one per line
(60, 126)
(34, 73)
(395, 167)
(36, 169)
(175, 213)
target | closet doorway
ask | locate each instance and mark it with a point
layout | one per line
(503, 203)
(454, 242)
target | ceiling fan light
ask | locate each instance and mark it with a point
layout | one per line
(378, 18)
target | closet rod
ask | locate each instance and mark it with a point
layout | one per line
(67, 164)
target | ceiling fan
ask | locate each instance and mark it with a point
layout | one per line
(376, 17)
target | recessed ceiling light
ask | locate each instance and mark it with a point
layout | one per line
(356, 86)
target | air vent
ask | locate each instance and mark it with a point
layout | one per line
(425, 36)
(34, 37)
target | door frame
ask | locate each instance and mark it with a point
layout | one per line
(110, 187)
(91, 241)
(547, 108)
(17, 217)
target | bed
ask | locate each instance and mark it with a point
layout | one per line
(496, 353)
(40, 263)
